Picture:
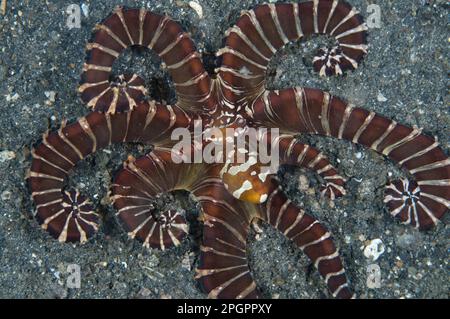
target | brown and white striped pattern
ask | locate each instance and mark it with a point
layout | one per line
(238, 91)
(66, 216)
(223, 270)
(135, 189)
(134, 27)
(311, 236)
(292, 152)
(259, 33)
(60, 151)
(300, 110)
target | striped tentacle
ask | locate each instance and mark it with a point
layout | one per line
(292, 152)
(134, 27)
(67, 215)
(247, 179)
(223, 271)
(421, 203)
(311, 236)
(135, 188)
(259, 33)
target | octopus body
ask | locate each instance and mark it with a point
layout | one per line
(232, 195)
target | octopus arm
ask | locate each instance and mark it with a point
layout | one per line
(420, 202)
(223, 270)
(66, 214)
(137, 27)
(259, 33)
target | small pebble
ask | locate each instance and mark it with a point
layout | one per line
(85, 9)
(102, 264)
(374, 249)
(51, 95)
(407, 240)
(7, 156)
(381, 98)
(6, 195)
(12, 98)
(186, 262)
(303, 183)
(144, 292)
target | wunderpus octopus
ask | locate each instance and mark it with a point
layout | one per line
(231, 195)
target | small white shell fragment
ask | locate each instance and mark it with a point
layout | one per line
(51, 95)
(186, 262)
(373, 276)
(85, 9)
(374, 249)
(381, 98)
(7, 156)
(197, 8)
